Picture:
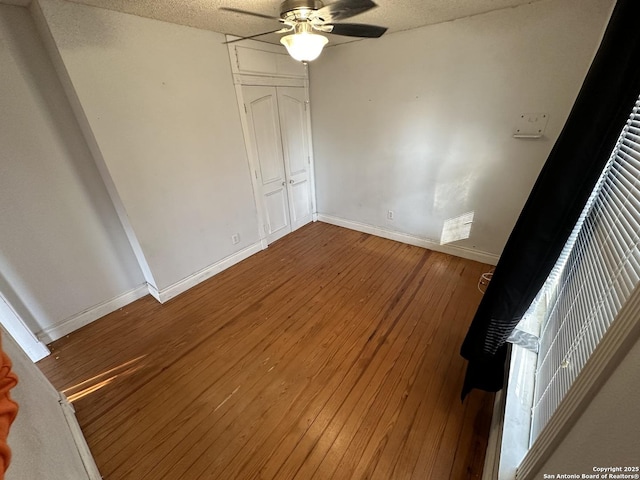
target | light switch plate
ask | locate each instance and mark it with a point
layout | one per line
(531, 125)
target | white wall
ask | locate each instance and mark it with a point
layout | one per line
(421, 122)
(62, 248)
(606, 434)
(41, 442)
(160, 102)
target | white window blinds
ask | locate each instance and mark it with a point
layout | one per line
(594, 276)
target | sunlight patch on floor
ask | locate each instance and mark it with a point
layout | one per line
(97, 382)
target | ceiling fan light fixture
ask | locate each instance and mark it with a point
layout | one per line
(304, 46)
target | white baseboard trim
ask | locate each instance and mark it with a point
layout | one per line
(81, 319)
(207, 272)
(35, 349)
(154, 292)
(464, 252)
(21, 333)
(81, 444)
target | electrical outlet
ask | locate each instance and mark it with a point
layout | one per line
(390, 215)
(235, 238)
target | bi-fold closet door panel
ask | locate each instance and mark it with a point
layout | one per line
(261, 105)
(279, 142)
(295, 144)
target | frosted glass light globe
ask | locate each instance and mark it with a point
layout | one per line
(304, 46)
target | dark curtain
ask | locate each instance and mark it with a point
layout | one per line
(566, 181)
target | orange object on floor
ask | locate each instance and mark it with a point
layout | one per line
(8, 408)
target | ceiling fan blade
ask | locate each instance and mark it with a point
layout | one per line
(245, 12)
(357, 30)
(282, 30)
(343, 9)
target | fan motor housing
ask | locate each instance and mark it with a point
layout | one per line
(298, 9)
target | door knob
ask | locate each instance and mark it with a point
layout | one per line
(291, 181)
(284, 183)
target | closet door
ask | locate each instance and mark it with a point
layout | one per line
(294, 126)
(261, 105)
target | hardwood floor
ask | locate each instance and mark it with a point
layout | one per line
(330, 355)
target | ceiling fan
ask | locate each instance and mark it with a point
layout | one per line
(303, 18)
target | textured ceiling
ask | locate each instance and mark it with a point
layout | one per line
(397, 15)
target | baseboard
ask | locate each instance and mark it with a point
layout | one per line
(32, 346)
(468, 253)
(154, 292)
(51, 334)
(81, 444)
(191, 281)
(81, 319)
(35, 349)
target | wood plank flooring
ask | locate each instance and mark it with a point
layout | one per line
(331, 355)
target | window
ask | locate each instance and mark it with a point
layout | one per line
(594, 276)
